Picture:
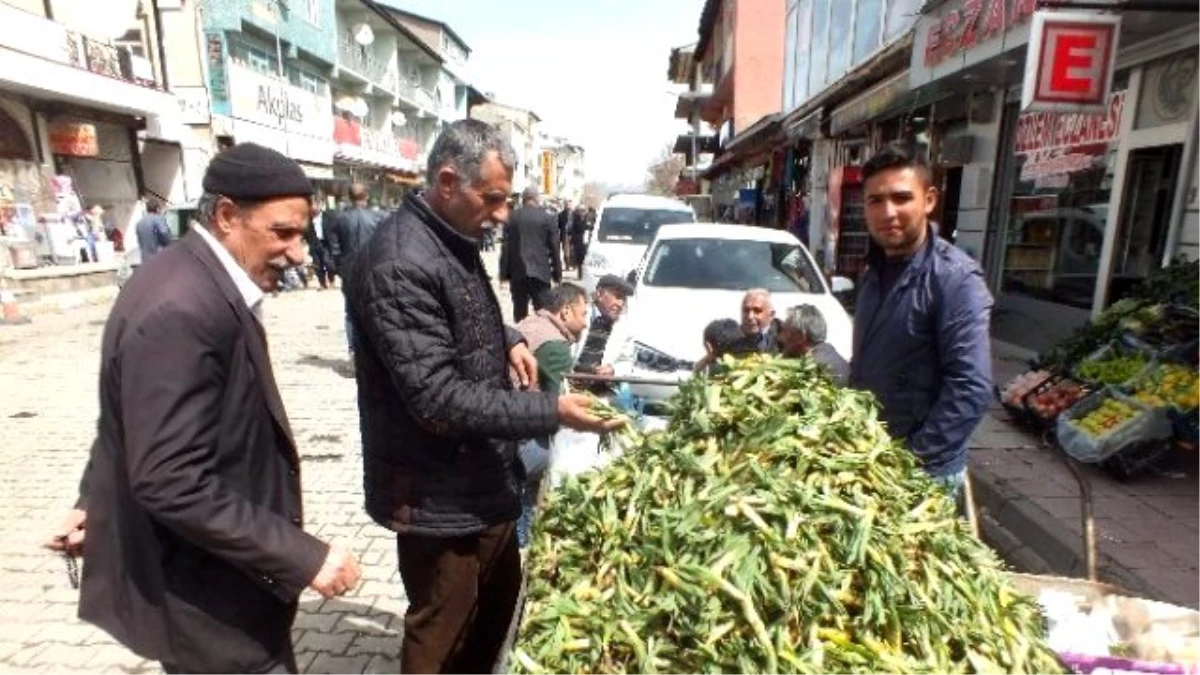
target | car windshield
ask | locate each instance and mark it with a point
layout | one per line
(732, 265)
(637, 226)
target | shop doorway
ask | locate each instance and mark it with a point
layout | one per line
(1141, 236)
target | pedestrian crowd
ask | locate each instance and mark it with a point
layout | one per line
(189, 515)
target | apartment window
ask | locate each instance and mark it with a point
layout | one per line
(820, 45)
(841, 26)
(312, 11)
(803, 49)
(868, 29)
(789, 66)
(307, 81)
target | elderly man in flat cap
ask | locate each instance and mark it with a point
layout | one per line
(195, 552)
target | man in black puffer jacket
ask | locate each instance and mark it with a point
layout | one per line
(439, 416)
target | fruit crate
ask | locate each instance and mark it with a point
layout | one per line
(1140, 424)
(1116, 348)
(1178, 394)
(1039, 418)
(1017, 411)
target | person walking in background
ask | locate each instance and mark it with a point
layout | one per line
(803, 333)
(195, 553)
(564, 233)
(318, 245)
(529, 257)
(580, 229)
(153, 233)
(350, 232)
(440, 416)
(921, 325)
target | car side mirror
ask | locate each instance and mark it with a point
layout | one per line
(631, 277)
(841, 285)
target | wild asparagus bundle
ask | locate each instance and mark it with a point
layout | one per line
(772, 527)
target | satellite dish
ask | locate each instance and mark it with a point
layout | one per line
(363, 35)
(360, 109)
(398, 119)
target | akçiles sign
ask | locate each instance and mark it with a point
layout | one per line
(254, 97)
(963, 24)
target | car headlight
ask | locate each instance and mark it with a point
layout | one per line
(649, 358)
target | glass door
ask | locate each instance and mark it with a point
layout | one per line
(1145, 216)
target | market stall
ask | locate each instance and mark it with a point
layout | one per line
(772, 525)
(1122, 392)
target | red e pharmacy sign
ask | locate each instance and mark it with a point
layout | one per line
(1069, 66)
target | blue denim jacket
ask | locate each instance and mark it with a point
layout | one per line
(925, 351)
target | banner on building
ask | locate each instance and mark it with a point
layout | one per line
(74, 139)
(547, 172)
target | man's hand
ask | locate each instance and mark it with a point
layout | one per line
(574, 413)
(525, 364)
(338, 575)
(68, 538)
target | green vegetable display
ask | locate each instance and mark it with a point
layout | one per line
(773, 527)
(1113, 369)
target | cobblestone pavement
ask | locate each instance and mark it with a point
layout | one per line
(46, 425)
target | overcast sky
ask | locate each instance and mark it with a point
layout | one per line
(595, 71)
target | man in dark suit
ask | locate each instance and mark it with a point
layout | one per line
(529, 259)
(348, 234)
(195, 553)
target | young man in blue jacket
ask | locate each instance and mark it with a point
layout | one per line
(921, 329)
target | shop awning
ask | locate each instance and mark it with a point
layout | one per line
(754, 145)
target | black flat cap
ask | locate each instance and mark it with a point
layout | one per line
(615, 284)
(250, 171)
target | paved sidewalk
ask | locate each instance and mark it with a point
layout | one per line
(47, 424)
(1147, 529)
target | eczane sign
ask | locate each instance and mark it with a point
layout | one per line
(1070, 62)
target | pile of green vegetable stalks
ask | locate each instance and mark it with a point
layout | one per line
(773, 527)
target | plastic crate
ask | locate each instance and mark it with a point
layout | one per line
(1134, 460)
(1146, 425)
(1116, 347)
(1035, 419)
(1185, 425)
(1017, 412)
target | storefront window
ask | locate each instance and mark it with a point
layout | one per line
(1058, 211)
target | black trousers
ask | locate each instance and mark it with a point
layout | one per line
(526, 291)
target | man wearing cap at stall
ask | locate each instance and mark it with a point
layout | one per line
(195, 554)
(607, 304)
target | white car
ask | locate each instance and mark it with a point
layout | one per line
(695, 273)
(625, 226)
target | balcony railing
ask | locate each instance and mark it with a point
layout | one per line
(39, 36)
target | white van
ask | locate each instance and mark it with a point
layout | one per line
(625, 226)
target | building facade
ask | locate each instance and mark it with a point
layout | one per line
(1065, 211)
(83, 95)
(268, 68)
(523, 130)
(732, 74)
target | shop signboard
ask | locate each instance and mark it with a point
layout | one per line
(74, 139)
(1070, 62)
(304, 118)
(962, 33)
(1055, 145)
(871, 104)
(547, 172)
